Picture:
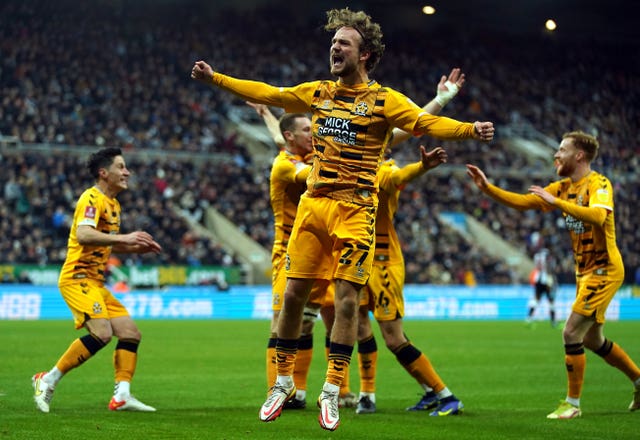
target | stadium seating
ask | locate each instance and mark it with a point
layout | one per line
(90, 78)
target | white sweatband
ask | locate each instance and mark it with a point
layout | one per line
(443, 97)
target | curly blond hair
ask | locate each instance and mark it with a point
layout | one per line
(369, 31)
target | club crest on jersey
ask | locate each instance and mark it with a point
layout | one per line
(90, 212)
(361, 109)
(97, 308)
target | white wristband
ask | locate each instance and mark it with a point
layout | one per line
(443, 97)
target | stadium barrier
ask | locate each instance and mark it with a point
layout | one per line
(31, 302)
(135, 276)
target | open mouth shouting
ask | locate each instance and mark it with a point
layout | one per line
(337, 62)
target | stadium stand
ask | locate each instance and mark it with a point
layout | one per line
(74, 75)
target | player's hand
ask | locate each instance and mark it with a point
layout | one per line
(201, 71)
(456, 77)
(153, 246)
(544, 195)
(433, 158)
(478, 176)
(449, 87)
(260, 109)
(483, 131)
(142, 241)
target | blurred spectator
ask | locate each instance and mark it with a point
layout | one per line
(96, 73)
(38, 234)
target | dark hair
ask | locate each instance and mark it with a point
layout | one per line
(585, 142)
(102, 159)
(370, 32)
(288, 121)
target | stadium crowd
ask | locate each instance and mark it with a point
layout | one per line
(109, 74)
(39, 192)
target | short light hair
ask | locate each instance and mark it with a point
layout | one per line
(288, 121)
(370, 32)
(585, 142)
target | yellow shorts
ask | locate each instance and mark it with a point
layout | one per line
(385, 288)
(331, 239)
(89, 299)
(594, 292)
(319, 292)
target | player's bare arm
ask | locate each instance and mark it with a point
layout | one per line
(134, 242)
(270, 121)
(446, 90)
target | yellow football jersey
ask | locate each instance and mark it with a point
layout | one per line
(393, 179)
(351, 126)
(285, 194)
(594, 247)
(387, 242)
(103, 213)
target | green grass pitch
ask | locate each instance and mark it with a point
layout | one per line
(206, 379)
